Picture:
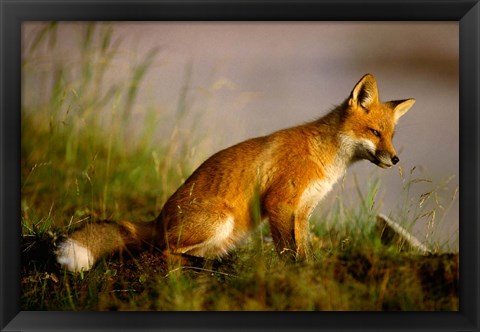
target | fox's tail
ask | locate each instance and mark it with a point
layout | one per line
(84, 247)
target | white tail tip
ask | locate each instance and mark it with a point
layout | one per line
(74, 256)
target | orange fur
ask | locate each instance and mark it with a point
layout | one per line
(284, 174)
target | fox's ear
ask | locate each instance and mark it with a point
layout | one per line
(365, 92)
(400, 107)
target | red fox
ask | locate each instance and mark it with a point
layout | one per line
(281, 177)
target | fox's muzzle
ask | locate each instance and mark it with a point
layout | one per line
(384, 159)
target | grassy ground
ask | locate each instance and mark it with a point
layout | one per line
(80, 163)
(341, 279)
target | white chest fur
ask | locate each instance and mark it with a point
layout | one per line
(314, 193)
(317, 189)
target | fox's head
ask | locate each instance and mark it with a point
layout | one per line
(369, 124)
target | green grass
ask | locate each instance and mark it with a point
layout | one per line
(81, 164)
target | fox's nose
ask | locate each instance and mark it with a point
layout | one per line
(395, 160)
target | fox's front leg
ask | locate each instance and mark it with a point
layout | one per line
(289, 230)
(302, 236)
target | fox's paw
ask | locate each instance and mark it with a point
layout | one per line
(74, 256)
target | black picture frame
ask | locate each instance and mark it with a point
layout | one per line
(14, 12)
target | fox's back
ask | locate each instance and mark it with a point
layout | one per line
(245, 172)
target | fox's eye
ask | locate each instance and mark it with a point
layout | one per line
(375, 132)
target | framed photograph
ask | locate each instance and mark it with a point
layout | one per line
(239, 165)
